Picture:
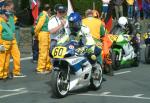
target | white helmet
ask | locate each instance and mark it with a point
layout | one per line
(123, 22)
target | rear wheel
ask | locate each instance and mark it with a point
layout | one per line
(147, 54)
(96, 77)
(109, 70)
(137, 59)
(60, 83)
(115, 61)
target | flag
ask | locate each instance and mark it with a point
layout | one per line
(108, 24)
(140, 4)
(109, 19)
(35, 10)
(70, 9)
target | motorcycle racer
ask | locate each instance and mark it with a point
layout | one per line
(126, 29)
(82, 34)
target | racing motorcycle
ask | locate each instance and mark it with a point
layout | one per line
(147, 42)
(73, 70)
(121, 58)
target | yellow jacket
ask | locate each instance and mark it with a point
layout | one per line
(95, 25)
(130, 2)
(42, 23)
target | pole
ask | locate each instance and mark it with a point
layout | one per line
(93, 5)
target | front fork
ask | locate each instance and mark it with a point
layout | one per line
(120, 55)
(68, 74)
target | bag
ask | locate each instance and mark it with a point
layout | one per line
(2, 48)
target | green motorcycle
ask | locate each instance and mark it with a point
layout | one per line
(124, 52)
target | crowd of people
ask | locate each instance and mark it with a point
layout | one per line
(47, 27)
(8, 43)
(134, 8)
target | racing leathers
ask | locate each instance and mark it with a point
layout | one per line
(86, 42)
(127, 34)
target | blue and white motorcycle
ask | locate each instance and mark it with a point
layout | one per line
(73, 70)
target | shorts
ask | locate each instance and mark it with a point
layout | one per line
(105, 9)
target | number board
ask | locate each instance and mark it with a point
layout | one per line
(59, 52)
(114, 37)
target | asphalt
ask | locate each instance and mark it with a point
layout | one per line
(128, 85)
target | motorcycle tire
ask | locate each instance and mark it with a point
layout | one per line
(115, 62)
(110, 70)
(96, 80)
(137, 59)
(147, 54)
(59, 90)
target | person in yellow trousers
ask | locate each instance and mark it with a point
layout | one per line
(6, 37)
(96, 27)
(43, 35)
(14, 51)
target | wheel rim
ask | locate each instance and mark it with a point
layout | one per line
(62, 84)
(97, 75)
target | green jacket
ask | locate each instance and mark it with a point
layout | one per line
(7, 33)
(42, 22)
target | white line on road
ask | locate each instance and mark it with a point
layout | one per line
(121, 72)
(116, 96)
(105, 93)
(22, 59)
(138, 95)
(13, 90)
(13, 94)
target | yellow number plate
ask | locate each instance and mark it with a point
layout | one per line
(114, 37)
(59, 52)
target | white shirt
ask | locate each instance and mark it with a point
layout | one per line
(53, 23)
(85, 32)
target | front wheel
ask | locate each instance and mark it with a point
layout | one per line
(60, 83)
(147, 54)
(96, 77)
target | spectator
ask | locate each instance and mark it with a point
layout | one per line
(130, 8)
(118, 8)
(35, 48)
(15, 52)
(146, 9)
(104, 8)
(42, 33)
(96, 26)
(109, 18)
(137, 10)
(57, 23)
